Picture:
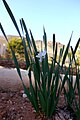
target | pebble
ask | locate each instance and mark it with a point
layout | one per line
(24, 95)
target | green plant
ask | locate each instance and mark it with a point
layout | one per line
(69, 92)
(17, 46)
(73, 85)
(45, 94)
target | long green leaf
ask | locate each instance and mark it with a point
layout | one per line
(65, 78)
(16, 63)
(73, 55)
(26, 54)
(55, 55)
(53, 43)
(1, 27)
(61, 54)
(30, 97)
(11, 16)
(66, 51)
(42, 101)
(27, 34)
(25, 49)
(33, 94)
(33, 42)
(50, 75)
(36, 74)
(53, 102)
(77, 44)
(45, 39)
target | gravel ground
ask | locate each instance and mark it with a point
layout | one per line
(13, 106)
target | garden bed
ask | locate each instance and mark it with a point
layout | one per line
(14, 107)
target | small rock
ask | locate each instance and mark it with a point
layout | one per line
(34, 111)
(24, 95)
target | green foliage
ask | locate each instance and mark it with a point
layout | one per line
(17, 46)
(73, 85)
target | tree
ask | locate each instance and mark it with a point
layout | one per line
(17, 46)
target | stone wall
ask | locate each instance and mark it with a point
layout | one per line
(10, 64)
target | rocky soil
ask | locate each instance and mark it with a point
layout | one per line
(14, 106)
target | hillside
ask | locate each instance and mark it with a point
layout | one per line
(38, 43)
(2, 40)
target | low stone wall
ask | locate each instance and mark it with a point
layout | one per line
(10, 64)
(10, 80)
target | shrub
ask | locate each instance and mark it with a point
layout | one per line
(17, 46)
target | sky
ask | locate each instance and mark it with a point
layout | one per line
(59, 17)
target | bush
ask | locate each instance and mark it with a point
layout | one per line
(17, 46)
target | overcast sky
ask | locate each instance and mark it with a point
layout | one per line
(57, 16)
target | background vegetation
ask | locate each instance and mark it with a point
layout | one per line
(17, 46)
